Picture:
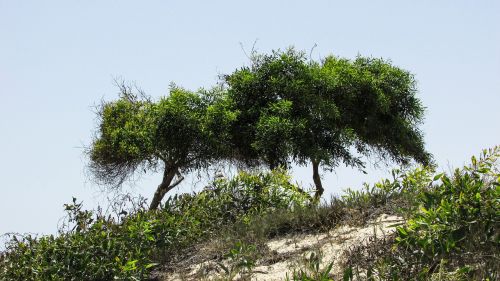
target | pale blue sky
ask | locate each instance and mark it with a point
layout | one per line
(58, 58)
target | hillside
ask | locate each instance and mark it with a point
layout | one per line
(283, 255)
(419, 225)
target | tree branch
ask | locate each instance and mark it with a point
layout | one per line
(177, 182)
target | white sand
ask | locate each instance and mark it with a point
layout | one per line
(332, 246)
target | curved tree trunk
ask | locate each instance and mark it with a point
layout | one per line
(317, 180)
(165, 186)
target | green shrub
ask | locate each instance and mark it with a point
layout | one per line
(396, 196)
(452, 229)
(311, 270)
(98, 247)
(241, 260)
(458, 218)
(95, 249)
(226, 201)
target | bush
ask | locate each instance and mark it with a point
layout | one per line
(100, 248)
(396, 196)
(226, 201)
(95, 249)
(458, 219)
(452, 229)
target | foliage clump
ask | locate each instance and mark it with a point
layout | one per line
(456, 224)
(99, 247)
(293, 109)
(283, 108)
(175, 135)
(452, 230)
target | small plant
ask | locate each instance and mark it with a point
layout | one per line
(241, 260)
(312, 270)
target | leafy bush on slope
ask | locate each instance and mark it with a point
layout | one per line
(99, 248)
(452, 229)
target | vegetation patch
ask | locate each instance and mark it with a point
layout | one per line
(452, 232)
(99, 247)
(281, 109)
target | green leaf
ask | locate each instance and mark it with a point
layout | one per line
(150, 265)
(348, 274)
(438, 176)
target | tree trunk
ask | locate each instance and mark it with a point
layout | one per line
(272, 166)
(317, 180)
(164, 187)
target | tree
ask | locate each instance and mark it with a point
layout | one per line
(178, 134)
(281, 109)
(295, 110)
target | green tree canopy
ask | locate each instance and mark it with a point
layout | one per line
(283, 108)
(324, 113)
(177, 134)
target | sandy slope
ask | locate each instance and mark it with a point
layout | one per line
(289, 253)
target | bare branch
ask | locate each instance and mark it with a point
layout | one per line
(176, 183)
(312, 49)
